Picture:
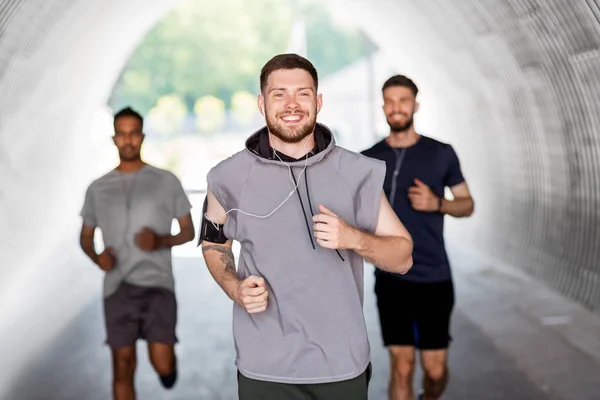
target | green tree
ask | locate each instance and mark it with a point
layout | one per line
(210, 113)
(331, 46)
(218, 48)
(243, 108)
(204, 48)
(168, 115)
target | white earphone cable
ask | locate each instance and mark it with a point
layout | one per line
(214, 222)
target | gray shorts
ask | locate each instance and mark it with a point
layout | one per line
(136, 312)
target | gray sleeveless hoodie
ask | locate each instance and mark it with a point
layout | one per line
(313, 330)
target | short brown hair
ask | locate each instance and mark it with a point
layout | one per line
(401, 80)
(287, 61)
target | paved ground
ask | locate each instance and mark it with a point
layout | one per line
(507, 346)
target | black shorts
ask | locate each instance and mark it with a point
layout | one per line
(351, 389)
(413, 313)
(136, 312)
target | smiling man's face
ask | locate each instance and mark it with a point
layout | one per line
(290, 104)
(399, 106)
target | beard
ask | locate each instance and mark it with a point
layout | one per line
(292, 134)
(396, 127)
(128, 154)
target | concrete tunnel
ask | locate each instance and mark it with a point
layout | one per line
(516, 85)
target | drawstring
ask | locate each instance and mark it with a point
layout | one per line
(310, 207)
(303, 212)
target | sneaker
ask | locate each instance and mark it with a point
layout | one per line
(168, 381)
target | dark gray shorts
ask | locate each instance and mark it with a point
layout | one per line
(135, 312)
(352, 389)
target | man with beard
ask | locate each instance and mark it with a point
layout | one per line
(134, 206)
(306, 212)
(415, 308)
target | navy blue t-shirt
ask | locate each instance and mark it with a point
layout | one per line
(435, 164)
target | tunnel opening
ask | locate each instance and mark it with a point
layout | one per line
(92, 151)
(513, 85)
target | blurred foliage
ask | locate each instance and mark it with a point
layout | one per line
(168, 115)
(210, 113)
(243, 108)
(217, 48)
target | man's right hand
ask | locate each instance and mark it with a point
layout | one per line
(252, 294)
(106, 260)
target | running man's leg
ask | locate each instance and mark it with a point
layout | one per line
(159, 325)
(397, 306)
(435, 373)
(433, 324)
(122, 329)
(164, 362)
(124, 363)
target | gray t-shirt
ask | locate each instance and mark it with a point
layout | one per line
(121, 204)
(313, 330)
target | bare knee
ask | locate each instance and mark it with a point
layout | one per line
(124, 363)
(435, 372)
(162, 358)
(403, 366)
(435, 365)
(163, 367)
(403, 369)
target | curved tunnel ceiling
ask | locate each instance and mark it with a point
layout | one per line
(515, 86)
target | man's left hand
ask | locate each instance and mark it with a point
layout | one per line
(422, 197)
(332, 232)
(147, 240)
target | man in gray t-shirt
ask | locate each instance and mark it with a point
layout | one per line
(134, 206)
(306, 212)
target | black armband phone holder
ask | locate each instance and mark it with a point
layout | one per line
(210, 231)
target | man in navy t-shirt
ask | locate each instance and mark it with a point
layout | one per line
(415, 308)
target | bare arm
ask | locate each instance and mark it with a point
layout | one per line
(86, 241)
(462, 205)
(106, 260)
(148, 240)
(250, 293)
(423, 199)
(221, 264)
(186, 233)
(390, 248)
(219, 257)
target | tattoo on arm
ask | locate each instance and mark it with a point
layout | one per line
(227, 257)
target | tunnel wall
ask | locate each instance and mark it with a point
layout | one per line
(514, 84)
(518, 85)
(58, 62)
